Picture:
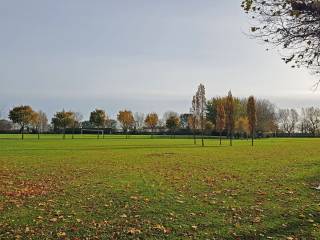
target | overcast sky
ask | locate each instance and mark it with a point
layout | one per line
(143, 55)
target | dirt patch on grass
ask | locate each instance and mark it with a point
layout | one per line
(165, 154)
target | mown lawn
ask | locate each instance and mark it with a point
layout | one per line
(141, 188)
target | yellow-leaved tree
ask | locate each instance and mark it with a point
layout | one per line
(126, 120)
(242, 126)
(151, 122)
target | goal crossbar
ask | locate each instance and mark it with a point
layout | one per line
(92, 130)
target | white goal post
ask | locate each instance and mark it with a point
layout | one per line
(98, 131)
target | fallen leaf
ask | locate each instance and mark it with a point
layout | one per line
(134, 231)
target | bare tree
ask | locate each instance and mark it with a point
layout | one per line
(266, 116)
(294, 118)
(304, 124)
(77, 118)
(293, 26)
(138, 121)
(313, 118)
(43, 121)
(201, 107)
(288, 119)
(5, 124)
(35, 122)
(39, 121)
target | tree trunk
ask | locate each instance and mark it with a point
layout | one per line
(22, 132)
(194, 138)
(64, 133)
(230, 136)
(252, 137)
(220, 137)
(202, 141)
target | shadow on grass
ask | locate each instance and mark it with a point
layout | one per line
(297, 229)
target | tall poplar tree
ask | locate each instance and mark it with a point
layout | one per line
(252, 117)
(201, 107)
(193, 118)
(229, 109)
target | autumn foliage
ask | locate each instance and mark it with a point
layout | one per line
(63, 120)
(126, 120)
(229, 109)
(221, 118)
(22, 115)
(173, 123)
(151, 121)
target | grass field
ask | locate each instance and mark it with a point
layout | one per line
(141, 188)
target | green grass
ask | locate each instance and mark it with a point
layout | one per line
(141, 188)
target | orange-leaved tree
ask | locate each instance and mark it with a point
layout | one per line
(242, 126)
(126, 120)
(151, 122)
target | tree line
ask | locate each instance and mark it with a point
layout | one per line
(222, 115)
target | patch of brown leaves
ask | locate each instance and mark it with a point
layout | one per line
(14, 185)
